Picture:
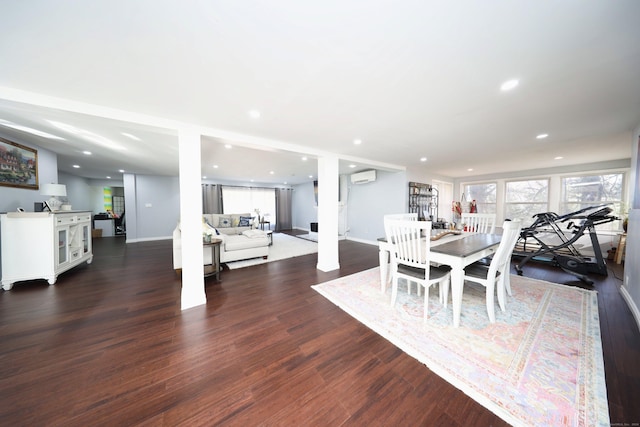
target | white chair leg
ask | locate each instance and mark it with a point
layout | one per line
(490, 302)
(446, 283)
(501, 288)
(507, 281)
(426, 304)
(394, 291)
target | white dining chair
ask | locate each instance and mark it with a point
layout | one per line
(495, 275)
(410, 254)
(478, 222)
(389, 258)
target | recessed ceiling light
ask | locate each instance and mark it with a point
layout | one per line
(271, 172)
(558, 158)
(542, 136)
(251, 180)
(32, 131)
(215, 166)
(254, 114)
(88, 153)
(423, 159)
(304, 159)
(285, 183)
(121, 170)
(352, 166)
(204, 177)
(470, 170)
(227, 146)
(357, 141)
(108, 177)
(76, 166)
(310, 176)
(128, 135)
(509, 84)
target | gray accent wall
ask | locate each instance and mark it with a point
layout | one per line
(80, 193)
(631, 281)
(368, 203)
(303, 206)
(152, 206)
(12, 198)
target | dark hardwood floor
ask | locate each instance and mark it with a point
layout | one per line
(108, 345)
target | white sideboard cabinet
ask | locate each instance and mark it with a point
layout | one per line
(41, 245)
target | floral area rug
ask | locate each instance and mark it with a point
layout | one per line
(539, 364)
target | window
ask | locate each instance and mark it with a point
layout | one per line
(483, 194)
(523, 199)
(579, 192)
(236, 200)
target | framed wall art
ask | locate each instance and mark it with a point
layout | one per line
(18, 165)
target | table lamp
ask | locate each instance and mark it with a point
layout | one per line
(55, 191)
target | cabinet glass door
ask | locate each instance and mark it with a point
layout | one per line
(63, 244)
(86, 239)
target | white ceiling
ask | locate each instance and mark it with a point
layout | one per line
(410, 79)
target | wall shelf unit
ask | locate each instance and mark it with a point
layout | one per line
(423, 200)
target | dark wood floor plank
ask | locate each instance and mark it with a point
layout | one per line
(108, 345)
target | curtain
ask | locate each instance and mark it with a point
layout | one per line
(211, 199)
(283, 209)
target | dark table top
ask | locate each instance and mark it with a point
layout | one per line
(468, 245)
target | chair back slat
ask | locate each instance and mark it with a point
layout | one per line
(479, 222)
(410, 247)
(401, 216)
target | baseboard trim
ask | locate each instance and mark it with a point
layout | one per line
(148, 239)
(367, 242)
(631, 304)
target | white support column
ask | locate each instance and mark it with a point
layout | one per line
(191, 219)
(328, 174)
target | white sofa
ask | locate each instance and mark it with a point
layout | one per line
(238, 241)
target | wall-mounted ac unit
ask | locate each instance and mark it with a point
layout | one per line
(363, 177)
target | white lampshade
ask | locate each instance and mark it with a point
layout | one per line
(57, 190)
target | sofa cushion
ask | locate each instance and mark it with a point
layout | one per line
(254, 234)
(229, 231)
(224, 222)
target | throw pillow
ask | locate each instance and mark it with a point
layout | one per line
(245, 221)
(224, 222)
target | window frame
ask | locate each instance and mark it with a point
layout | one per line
(480, 205)
(615, 226)
(547, 202)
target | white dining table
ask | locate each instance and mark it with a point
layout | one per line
(456, 251)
